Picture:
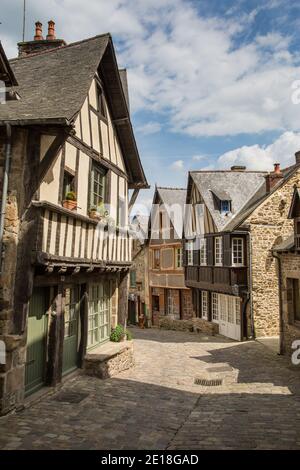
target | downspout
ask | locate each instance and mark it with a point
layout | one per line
(250, 287)
(281, 329)
(4, 191)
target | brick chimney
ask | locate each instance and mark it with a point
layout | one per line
(297, 157)
(273, 178)
(40, 44)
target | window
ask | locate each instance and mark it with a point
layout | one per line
(132, 278)
(218, 251)
(215, 306)
(190, 253)
(170, 303)
(293, 300)
(98, 313)
(68, 183)
(156, 259)
(101, 102)
(225, 207)
(204, 304)
(97, 186)
(71, 311)
(203, 252)
(179, 260)
(238, 252)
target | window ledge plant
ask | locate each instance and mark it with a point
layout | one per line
(70, 201)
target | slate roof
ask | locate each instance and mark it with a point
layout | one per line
(286, 245)
(171, 196)
(53, 85)
(239, 186)
(6, 73)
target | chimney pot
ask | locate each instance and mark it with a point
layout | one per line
(277, 168)
(297, 157)
(38, 31)
(51, 31)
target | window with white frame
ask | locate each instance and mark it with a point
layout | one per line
(179, 258)
(238, 251)
(218, 251)
(203, 252)
(190, 246)
(204, 304)
(215, 306)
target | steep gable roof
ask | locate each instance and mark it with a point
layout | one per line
(172, 199)
(239, 187)
(295, 204)
(53, 85)
(6, 73)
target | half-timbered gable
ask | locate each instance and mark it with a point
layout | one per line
(168, 294)
(66, 248)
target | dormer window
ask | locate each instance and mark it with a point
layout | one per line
(225, 207)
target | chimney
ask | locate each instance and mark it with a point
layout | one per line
(39, 44)
(38, 31)
(51, 31)
(238, 168)
(297, 157)
(273, 178)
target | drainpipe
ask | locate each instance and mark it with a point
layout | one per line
(281, 329)
(250, 287)
(5, 190)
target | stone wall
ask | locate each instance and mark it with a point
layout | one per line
(11, 373)
(197, 325)
(109, 360)
(290, 265)
(269, 225)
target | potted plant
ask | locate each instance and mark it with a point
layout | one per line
(93, 213)
(70, 201)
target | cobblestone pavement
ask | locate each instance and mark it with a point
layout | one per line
(157, 405)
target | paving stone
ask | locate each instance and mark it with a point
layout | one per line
(156, 405)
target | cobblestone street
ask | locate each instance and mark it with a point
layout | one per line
(157, 404)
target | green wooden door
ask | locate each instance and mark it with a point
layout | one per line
(36, 341)
(99, 314)
(70, 351)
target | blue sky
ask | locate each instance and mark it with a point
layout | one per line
(210, 81)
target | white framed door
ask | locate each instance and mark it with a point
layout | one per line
(226, 311)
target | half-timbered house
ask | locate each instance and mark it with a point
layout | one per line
(236, 218)
(68, 152)
(168, 294)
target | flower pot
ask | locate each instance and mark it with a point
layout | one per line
(69, 204)
(142, 322)
(94, 215)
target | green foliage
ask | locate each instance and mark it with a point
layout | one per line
(117, 334)
(128, 335)
(71, 196)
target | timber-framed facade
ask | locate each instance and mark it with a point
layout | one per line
(66, 249)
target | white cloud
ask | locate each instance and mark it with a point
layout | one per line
(257, 157)
(178, 165)
(186, 66)
(199, 158)
(150, 127)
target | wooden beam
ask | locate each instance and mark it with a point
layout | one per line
(133, 199)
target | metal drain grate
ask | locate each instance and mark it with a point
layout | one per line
(71, 397)
(208, 383)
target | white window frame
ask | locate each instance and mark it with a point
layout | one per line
(218, 251)
(203, 252)
(241, 246)
(190, 252)
(179, 258)
(215, 307)
(204, 304)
